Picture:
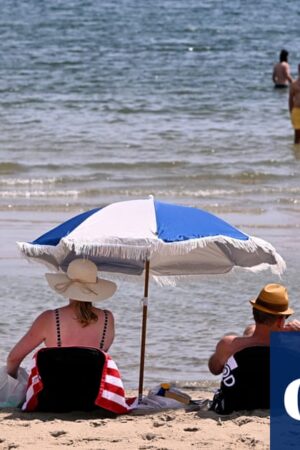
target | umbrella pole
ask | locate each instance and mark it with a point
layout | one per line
(144, 328)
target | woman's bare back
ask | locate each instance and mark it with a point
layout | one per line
(73, 333)
(43, 330)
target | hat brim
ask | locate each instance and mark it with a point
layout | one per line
(89, 292)
(287, 312)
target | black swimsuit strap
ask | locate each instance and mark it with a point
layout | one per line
(104, 329)
(58, 335)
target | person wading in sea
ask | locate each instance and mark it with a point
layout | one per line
(281, 73)
(294, 106)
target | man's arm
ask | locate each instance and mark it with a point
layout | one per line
(274, 75)
(293, 325)
(288, 74)
(223, 351)
(286, 71)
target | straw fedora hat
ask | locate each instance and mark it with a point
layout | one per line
(273, 299)
(81, 282)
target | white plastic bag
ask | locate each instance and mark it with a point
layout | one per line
(12, 390)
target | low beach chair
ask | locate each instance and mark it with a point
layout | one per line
(71, 378)
(245, 382)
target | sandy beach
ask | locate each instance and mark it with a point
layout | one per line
(163, 430)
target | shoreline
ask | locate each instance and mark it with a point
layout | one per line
(166, 429)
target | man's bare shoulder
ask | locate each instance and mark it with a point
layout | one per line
(229, 337)
(225, 348)
(227, 341)
(231, 344)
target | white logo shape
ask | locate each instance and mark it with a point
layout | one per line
(291, 399)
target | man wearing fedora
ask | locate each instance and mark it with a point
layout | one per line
(270, 311)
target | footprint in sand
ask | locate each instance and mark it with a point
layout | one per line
(191, 429)
(97, 424)
(159, 424)
(249, 441)
(243, 421)
(150, 436)
(166, 417)
(58, 433)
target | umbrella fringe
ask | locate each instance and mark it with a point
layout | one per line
(29, 250)
(130, 251)
(173, 280)
(110, 250)
(115, 248)
(122, 249)
(277, 268)
(35, 250)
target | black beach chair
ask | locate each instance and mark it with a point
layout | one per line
(246, 386)
(71, 378)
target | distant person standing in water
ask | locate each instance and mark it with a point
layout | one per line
(294, 106)
(281, 73)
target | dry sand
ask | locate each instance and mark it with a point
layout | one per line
(163, 430)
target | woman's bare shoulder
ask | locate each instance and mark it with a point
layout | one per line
(43, 317)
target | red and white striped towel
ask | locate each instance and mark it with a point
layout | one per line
(111, 395)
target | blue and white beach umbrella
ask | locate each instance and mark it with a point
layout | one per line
(176, 240)
(150, 238)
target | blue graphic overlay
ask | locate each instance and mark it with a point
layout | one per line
(285, 387)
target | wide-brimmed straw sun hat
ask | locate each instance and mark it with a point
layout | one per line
(81, 282)
(273, 299)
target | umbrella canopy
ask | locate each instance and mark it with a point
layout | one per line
(153, 239)
(177, 240)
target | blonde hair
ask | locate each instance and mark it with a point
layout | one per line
(84, 313)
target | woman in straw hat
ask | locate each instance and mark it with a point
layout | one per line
(77, 324)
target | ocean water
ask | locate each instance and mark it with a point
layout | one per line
(113, 100)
